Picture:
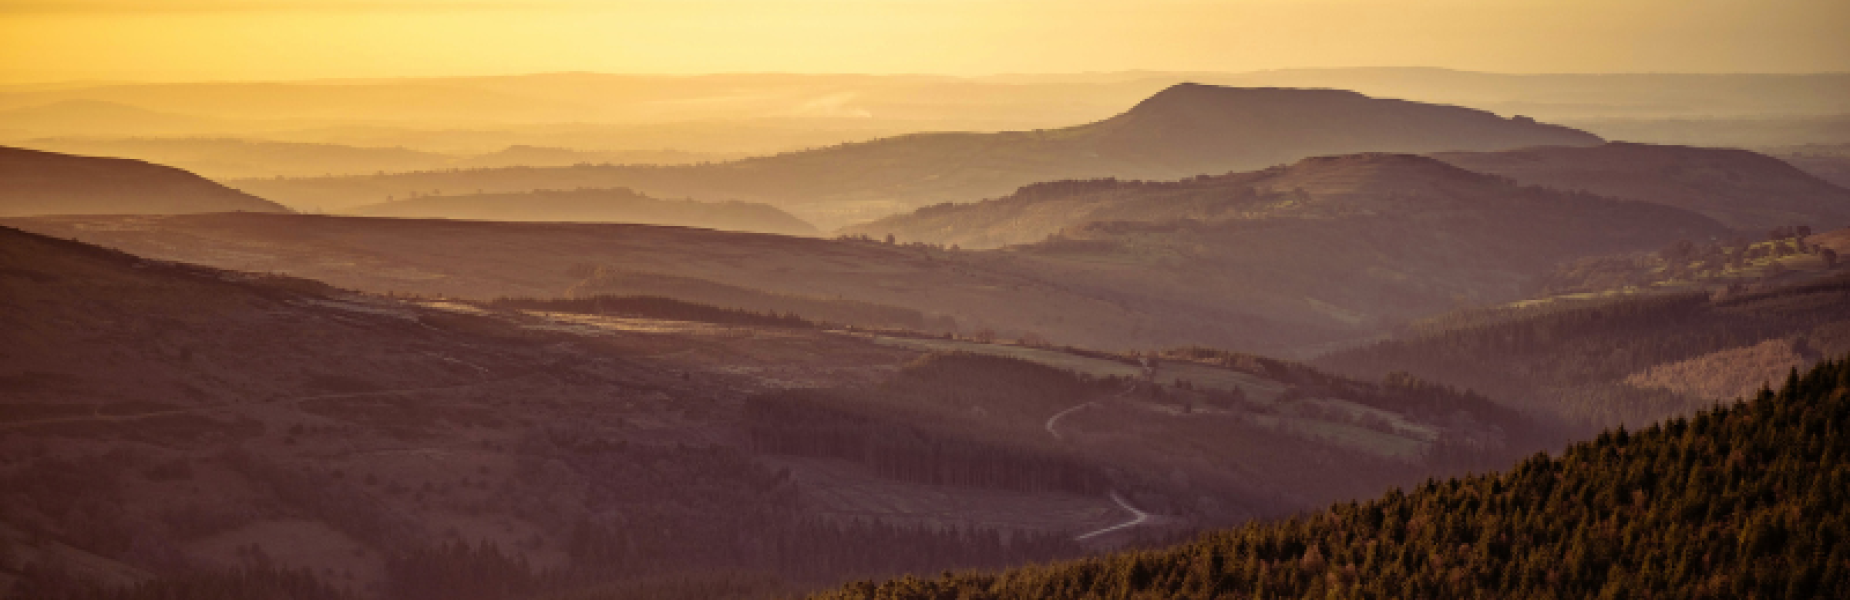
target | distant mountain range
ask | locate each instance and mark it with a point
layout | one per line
(619, 205)
(46, 183)
(225, 159)
(1183, 131)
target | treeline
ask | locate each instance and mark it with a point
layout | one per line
(606, 281)
(1572, 362)
(655, 307)
(1745, 501)
(1402, 393)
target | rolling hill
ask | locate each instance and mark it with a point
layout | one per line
(45, 183)
(1738, 502)
(1744, 190)
(1287, 260)
(1600, 362)
(1182, 131)
(617, 205)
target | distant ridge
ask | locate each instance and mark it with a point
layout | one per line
(1184, 130)
(48, 183)
(618, 205)
(1323, 187)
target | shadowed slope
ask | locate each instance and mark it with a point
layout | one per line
(45, 183)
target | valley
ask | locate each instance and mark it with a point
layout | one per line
(1002, 300)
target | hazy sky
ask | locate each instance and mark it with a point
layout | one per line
(45, 40)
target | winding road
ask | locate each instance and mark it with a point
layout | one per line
(1138, 517)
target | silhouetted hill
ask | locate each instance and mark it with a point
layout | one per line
(1182, 131)
(617, 205)
(45, 183)
(1742, 189)
(1745, 501)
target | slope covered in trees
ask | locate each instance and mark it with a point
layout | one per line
(1744, 501)
(1592, 362)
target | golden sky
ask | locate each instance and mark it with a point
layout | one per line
(50, 40)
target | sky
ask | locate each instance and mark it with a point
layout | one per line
(191, 40)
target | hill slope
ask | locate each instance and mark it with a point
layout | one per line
(1744, 501)
(617, 205)
(202, 428)
(1182, 131)
(45, 183)
(1327, 251)
(1623, 360)
(1742, 189)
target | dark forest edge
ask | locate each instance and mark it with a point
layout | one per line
(1674, 510)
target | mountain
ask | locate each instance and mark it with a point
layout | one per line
(200, 433)
(1742, 501)
(45, 183)
(1182, 131)
(1742, 189)
(618, 205)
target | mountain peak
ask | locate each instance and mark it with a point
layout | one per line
(1191, 97)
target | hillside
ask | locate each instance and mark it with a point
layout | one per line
(1346, 246)
(1740, 502)
(1353, 241)
(45, 183)
(1744, 190)
(1381, 238)
(617, 205)
(1182, 131)
(186, 428)
(1630, 359)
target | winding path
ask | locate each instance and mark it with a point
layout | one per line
(1138, 517)
(1061, 415)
